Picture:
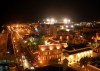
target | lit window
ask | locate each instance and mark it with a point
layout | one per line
(51, 48)
(41, 61)
(43, 49)
(58, 47)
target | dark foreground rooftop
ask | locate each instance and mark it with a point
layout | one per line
(53, 68)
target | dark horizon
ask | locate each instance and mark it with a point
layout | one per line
(32, 10)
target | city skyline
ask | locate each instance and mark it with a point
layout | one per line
(27, 11)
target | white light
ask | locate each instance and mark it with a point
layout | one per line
(68, 30)
(52, 20)
(58, 47)
(66, 20)
(71, 57)
(48, 19)
(91, 52)
(58, 59)
(8, 52)
(46, 43)
(25, 41)
(25, 63)
(32, 68)
(66, 26)
(80, 36)
(72, 26)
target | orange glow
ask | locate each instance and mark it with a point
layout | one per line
(58, 47)
(41, 61)
(51, 48)
(43, 49)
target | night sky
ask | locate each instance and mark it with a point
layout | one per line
(33, 10)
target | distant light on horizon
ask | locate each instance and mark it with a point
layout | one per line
(66, 21)
(50, 21)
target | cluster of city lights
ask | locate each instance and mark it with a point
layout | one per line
(65, 20)
(74, 58)
(50, 47)
(52, 21)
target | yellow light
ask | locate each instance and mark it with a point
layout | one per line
(78, 55)
(62, 27)
(72, 26)
(65, 45)
(58, 47)
(26, 64)
(71, 57)
(68, 30)
(90, 52)
(51, 48)
(41, 61)
(46, 43)
(17, 25)
(43, 49)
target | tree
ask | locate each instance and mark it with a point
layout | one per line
(53, 61)
(33, 42)
(65, 64)
(84, 61)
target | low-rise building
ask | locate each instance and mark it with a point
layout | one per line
(50, 52)
(74, 56)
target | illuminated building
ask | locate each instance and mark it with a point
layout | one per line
(49, 52)
(74, 56)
